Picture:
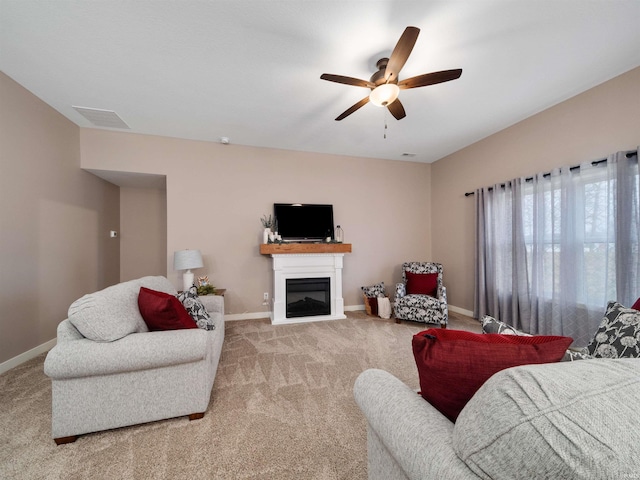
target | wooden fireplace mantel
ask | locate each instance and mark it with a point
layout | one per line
(279, 248)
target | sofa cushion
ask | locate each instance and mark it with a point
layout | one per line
(196, 309)
(163, 311)
(422, 283)
(453, 364)
(618, 335)
(636, 306)
(113, 313)
(560, 420)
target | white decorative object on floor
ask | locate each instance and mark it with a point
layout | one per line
(384, 307)
(186, 260)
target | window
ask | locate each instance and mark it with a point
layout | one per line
(554, 249)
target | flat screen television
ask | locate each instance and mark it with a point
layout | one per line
(304, 222)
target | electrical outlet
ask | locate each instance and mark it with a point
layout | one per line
(265, 298)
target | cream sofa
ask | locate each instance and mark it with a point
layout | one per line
(567, 420)
(118, 373)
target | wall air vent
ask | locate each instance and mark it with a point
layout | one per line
(102, 118)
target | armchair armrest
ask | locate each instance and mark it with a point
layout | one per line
(444, 306)
(442, 294)
(416, 435)
(401, 290)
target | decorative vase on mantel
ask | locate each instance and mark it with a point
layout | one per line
(265, 235)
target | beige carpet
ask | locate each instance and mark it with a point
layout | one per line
(282, 408)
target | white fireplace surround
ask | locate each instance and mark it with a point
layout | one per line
(307, 265)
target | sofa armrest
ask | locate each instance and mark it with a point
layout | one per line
(416, 435)
(401, 290)
(137, 351)
(213, 303)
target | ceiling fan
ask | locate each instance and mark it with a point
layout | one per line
(385, 85)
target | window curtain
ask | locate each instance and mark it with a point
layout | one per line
(552, 250)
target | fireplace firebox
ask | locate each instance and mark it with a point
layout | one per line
(307, 297)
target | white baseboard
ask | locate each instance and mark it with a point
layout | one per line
(230, 317)
(468, 313)
(353, 308)
(28, 355)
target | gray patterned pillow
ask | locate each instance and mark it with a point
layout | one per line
(491, 325)
(376, 290)
(618, 335)
(189, 298)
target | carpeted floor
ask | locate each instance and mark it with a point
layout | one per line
(282, 408)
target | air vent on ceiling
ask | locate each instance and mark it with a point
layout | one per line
(102, 118)
(408, 154)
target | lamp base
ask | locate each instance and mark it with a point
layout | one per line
(187, 280)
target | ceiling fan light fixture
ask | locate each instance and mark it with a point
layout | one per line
(384, 94)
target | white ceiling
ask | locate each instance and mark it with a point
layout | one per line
(250, 70)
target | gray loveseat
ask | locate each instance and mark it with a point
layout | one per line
(118, 373)
(568, 420)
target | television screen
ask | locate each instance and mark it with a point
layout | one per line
(298, 222)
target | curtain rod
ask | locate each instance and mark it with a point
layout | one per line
(629, 154)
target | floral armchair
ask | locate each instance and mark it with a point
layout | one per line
(421, 297)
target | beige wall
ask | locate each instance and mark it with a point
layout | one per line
(217, 193)
(143, 232)
(587, 127)
(54, 222)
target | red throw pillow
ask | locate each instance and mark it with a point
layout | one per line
(636, 306)
(453, 364)
(163, 311)
(422, 283)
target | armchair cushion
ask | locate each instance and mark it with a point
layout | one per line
(453, 364)
(163, 311)
(422, 283)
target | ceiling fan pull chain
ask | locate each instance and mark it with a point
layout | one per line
(385, 124)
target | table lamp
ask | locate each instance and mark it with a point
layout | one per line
(186, 260)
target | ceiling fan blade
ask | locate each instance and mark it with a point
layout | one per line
(353, 108)
(401, 53)
(347, 80)
(430, 79)
(396, 109)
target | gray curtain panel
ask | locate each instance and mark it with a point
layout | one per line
(552, 250)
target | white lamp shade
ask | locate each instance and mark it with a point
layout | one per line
(384, 94)
(187, 259)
